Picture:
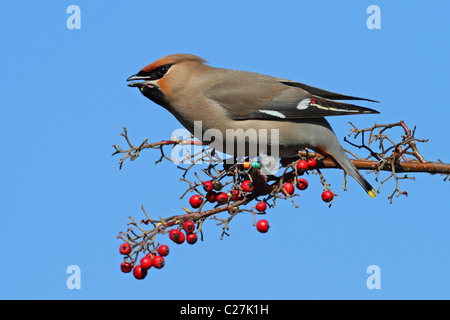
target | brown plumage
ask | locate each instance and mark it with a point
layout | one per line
(224, 99)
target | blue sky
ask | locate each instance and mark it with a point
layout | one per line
(65, 100)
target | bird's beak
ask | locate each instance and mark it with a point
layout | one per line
(137, 77)
(146, 81)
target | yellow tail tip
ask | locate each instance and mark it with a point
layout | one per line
(372, 193)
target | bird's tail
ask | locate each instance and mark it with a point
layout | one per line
(351, 170)
(342, 159)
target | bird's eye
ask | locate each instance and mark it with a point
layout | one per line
(163, 70)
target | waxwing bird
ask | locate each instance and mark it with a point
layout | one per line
(224, 100)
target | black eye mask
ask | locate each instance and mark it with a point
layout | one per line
(155, 74)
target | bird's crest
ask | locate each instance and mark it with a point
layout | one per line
(172, 59)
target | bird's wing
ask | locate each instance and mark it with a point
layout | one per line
(267, 99)
(320, 92)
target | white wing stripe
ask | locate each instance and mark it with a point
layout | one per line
(273, 113)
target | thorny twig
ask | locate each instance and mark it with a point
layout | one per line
(385, 153)
(392, 154)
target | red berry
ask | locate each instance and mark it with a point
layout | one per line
(189, 226)
(288, 189)
(195, 201)
(176, 236)
(235, 195)
(208, 186)
(302, 184)
(211, 196)
(191, 238)
(302, 166)
(158, 262)
(163, 250)
(262, 226)
(126, 267)
(222, 198)
(125, 248)
(312, 163)
(181, 238)
(327, 196)
(173, 234)
(146, 262)
(247, 186)
(261, 206)
(139, 272)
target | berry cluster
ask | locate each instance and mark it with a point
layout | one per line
(155, 258)
(225, 195)
(152, 259)
(303, 166)
(178, 236)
